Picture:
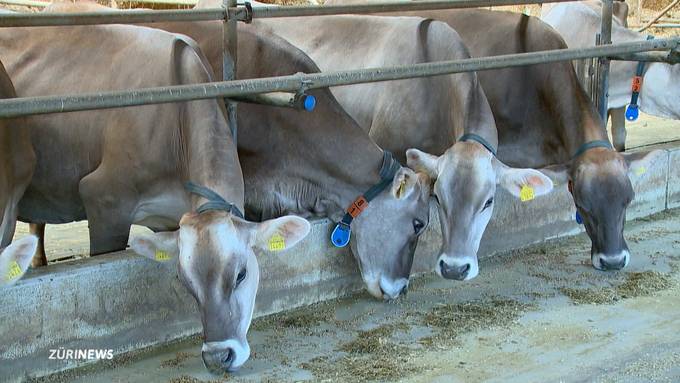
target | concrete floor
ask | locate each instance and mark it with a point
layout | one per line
(536, 315)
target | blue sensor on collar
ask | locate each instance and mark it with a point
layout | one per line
(340, 235)
(579, 220)
(309, 102)
(632, 112)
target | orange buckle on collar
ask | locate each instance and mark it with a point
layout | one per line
(357, 206)
(637, 84)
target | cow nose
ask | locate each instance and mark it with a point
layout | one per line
(458, 273)
(614, 261)
(218, 361)
(392, 289)
(612, 264)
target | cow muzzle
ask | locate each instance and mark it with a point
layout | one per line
(226, 356)
(387, 288)
(457, 268)
(610, 262)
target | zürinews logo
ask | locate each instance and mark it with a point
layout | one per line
(80, 354)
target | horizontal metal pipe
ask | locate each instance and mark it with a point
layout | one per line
(299, 82)
(110, 17)
(373, 7)
(665, 26)
(241, 14)
(661, 57)
(26, 3)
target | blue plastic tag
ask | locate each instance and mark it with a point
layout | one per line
(309, 102)
(340, 235)
(579, 220)
(632, 112)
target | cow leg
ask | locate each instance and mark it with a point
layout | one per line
(109, 208)
(618, 128)
(39, 258)
(8, 224)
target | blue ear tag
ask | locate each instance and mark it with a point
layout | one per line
(340, 235)
(579, 220)
(309, 102)
(632, 112)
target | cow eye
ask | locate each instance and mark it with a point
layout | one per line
(241, 276)
(488, 203)
(418, 226)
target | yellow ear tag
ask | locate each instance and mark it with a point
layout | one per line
(402, 186)
(14, 271)
(526, 193)
(277, 243)
(640, 171)
(162, 256)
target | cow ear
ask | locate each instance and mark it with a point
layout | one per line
(639, 162)
(280, 233)
(160, 247)
(423, 162)
(522, 183)
(405, 183)
(16, 258)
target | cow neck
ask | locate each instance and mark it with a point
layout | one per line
(211, 156)
(344, 161)
(579, 121)
(480, 125)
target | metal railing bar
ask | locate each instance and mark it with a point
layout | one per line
(241, 13)
(300, 82)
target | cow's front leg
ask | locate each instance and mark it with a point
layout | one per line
(39, 258)
(618, 117)
(109, 204)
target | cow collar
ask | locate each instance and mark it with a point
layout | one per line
(479, 139)
(342, 232)
(215, 201)
(632, 111)
(590, 145)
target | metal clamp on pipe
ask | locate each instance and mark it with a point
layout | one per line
(298, 101)
(248, 17)
(674, 55)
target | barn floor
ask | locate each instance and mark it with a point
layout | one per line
(535, 315)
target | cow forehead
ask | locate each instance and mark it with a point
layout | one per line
(218, 237)
(466, 166)
(603, 181)
(598, 165)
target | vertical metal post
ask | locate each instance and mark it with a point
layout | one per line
(229, 57)
(605, 38)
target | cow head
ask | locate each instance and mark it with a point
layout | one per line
(16, 258)
(217, 264)
(466, 177)
(385, 235)
(599, 180)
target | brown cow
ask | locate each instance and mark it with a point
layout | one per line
(335, 161)
(171, 167)
(17, 161)
(544, 117)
